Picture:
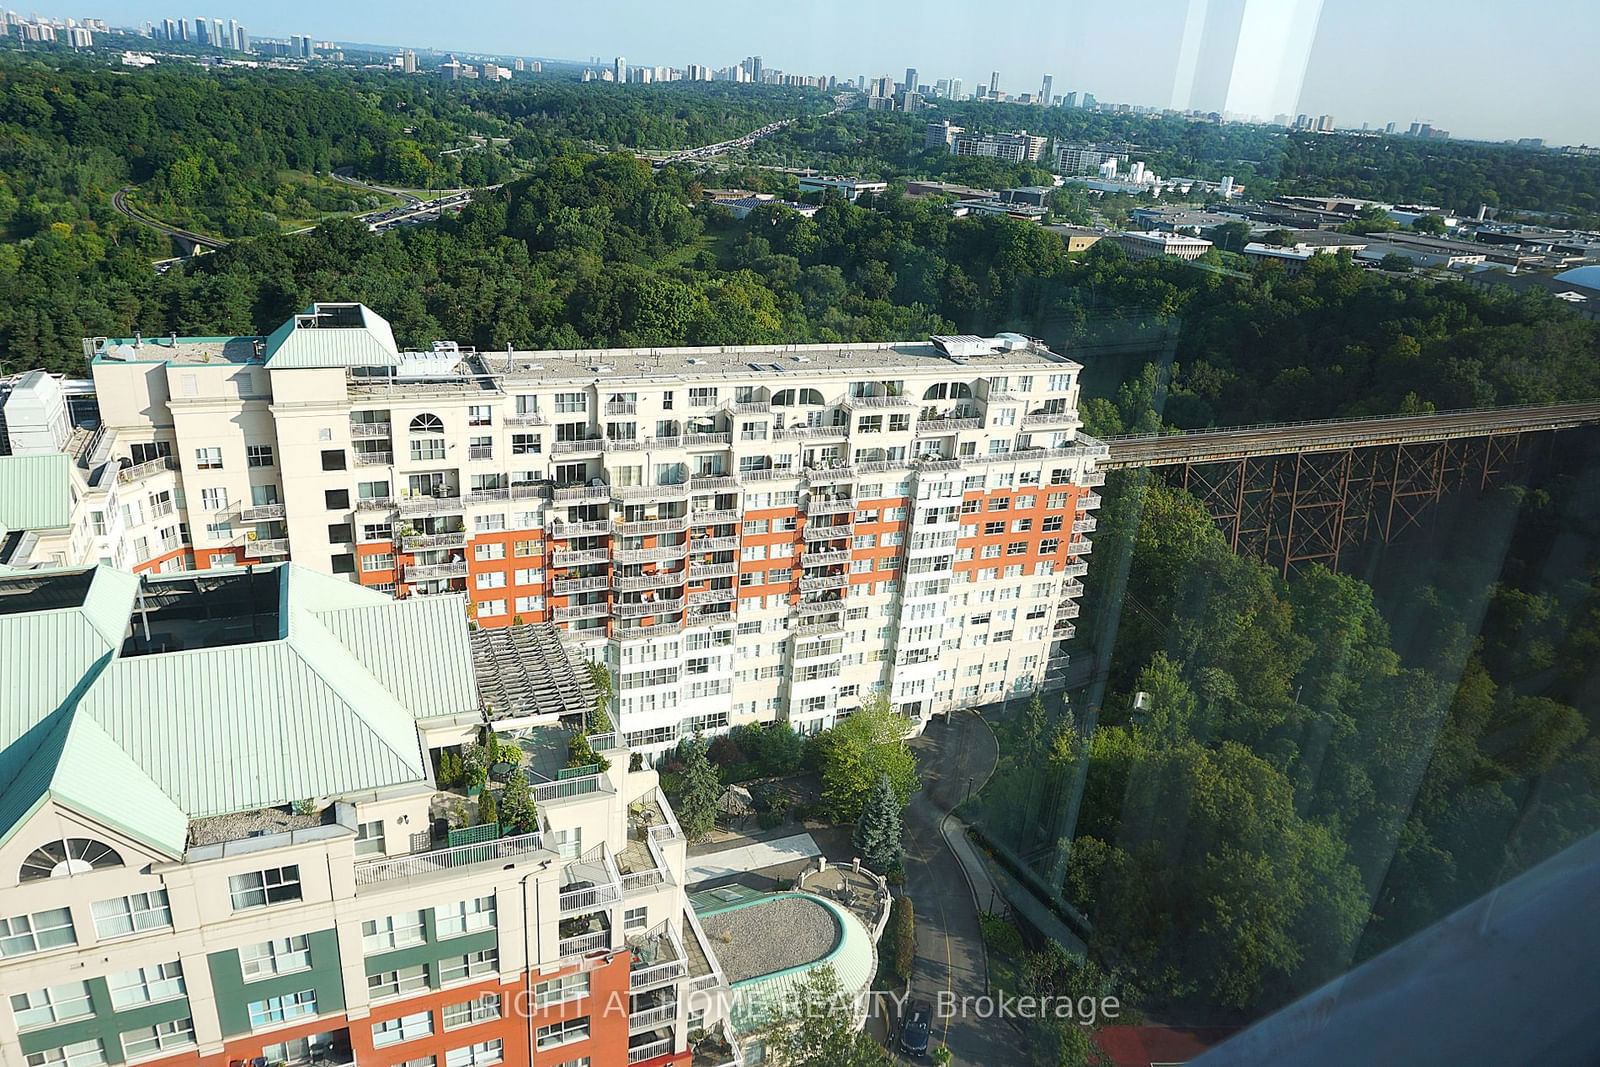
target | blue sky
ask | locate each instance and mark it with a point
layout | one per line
(1485, 68)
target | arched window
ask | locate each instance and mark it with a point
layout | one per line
(810, 396)
(75, 855)
(935, 392)
(783, 398)
(426, 423)
(958, 390)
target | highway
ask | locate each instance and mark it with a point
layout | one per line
(119, 201)
(1332, 435)
(707, 151)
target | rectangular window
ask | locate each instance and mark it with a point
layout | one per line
(391, 931)
(131, 914)
(405, 1028)
(378, 561)
(564, 1033)
(463, 917)
(427, 448)
(257, 889)
(571, 403)
(335, 499)
(393, 983)
(480, 1009)
(480, 1055)
(146, 985)
(636, 918)
(214, 499)
(333, 459)
(79, 1054)
(21, 935)
(179, 1033)
(284, 955)
(480, 415)
(208, 459)
(258, 455)
(53, 1004)
(369, 838)
(472, 965)
(490, 608)
(561, 990)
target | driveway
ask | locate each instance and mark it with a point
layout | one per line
(954, 755)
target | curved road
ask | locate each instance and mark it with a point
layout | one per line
(954, 755)
(119, 201)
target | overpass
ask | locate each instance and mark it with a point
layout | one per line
(187, 240)
(1306, 492)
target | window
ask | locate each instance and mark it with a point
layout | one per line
(480, 448)
(564, 1033)
(369, 838)
(333, 459)
(491, 608)
(131, 914)
(53, 1004)
(162, 1036)
(463, 916)
(285, 955)
(258, 455)
(146, 985)
(378, 561)
(426, 423)
(702, 396)
(344, 563)
(336, 499)
(391, 931)
(480, 1055)
(208, 459)
(635, 918)
(480, 415)
(78, 1054)
(472, 965)
(25, 934)
(393, 983)
(992, 528)
(480, 1009)
(214, 499)
(405, 1028)
(257, 889)
(426, 448)
(561, 990)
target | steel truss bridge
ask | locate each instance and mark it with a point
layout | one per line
(1299, 493)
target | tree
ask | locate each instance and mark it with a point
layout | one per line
(488, 810)
(599, 719)
(823, 1033)
(1396, 262)
(852, 755)
(697, 803)
(519, 814)
(878, 831)
(1429, 224)
(1278, 238)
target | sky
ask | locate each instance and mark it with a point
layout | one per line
(1491, 69)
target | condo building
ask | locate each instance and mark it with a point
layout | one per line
(741, 534)
(224, 841)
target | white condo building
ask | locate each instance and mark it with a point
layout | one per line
(743, 534)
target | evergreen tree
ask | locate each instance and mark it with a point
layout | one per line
(518, 812)
(600, 716)
(878, 831)
(697, 804)
(488, 810)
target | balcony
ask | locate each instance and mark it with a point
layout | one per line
(622, 407)
(654, 629)
(262, 513)
(377, 503)
(571, 586)
(658, 956)
(713, 596)
(424, 572)
(1050, 418)
(651, 1018)
(418, 542)
(879, 466)
(1072, 587)
(648, 527)
(577, 557)
(819, 626)
(369, 429)
(825, 557)
(573, 493)
(372, 872)
(830, 471)
(821, 505)
(441, 503)
(698, 571)
(948, 425)
(937, 463)
(1080, 548)
(527, 418)
(590, 882)
(1093, 478)
(636, 609)
(702, 440)
(587, 528)
(638, 583)
(702, 482)
(588, 444)
(573, 612)
(767, 474)
(1089, 502)
(831, 581)
(660, 554)
(486, 494)
(374, 459)
(1068, 610)
(676, 491)
(583, 944)
(639, 444)
(266, 546)
(748, 407)
(1085, 525)
(715, 517)
(1064, 631)
(879, 402)
(1075, 570)
(811, 433)
(834, 531)
(649, 1050)
(159, 465)
(725, 543)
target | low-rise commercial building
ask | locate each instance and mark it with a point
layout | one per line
(849, 188)
(1153, 245)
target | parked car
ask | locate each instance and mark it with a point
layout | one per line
(914, 1028)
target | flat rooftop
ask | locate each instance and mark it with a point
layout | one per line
(774, 934)
(241, 350)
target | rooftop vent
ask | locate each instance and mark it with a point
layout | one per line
(695, 361)
(602, 368)
(964, 344)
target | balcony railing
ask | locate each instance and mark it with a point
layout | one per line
(824, 558)
(582, 492)
(1088, 501)
(262, 513)
(640, 1053)
(1080, 547)
(715, 517)
(655, 974)
(418, 542)
(713, 596)
(639, 444)
(699, 440)
(1093, 478)
(577, 557)
(637, 583)
(424, 505)
(878, 466)
(654, 629)
(820, 626)
(485, 494)
(585, 943)
(748, 407)
(569, 586)
(1085, 525)
(622, 407)
(1069, 610)
(1064, 631)
(369, 429)
(572, 612)
(650, 1018)
(639, 881)
(590, 897)
(712, 570)
(588, 444)
(817, 532)
(377, 503)
(635, 609)
(587, 528)
(832, 581)
(374, 459)
(1072, 587)
(819, 505)
(423, 572)
(1075, 570)
(830, 471)
(725, 543)
(650, 555)
(1050, 418)
(149, 467)
(266, 546)
(445, 859)
(567, 788)
(948, 425)
(937, 464)
(811, 433)
(676, 491)
(530, 418)
(647, 527)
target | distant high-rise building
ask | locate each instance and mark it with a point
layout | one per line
(941, 135)
(994, 83)
(518, 65)
(1226, 189)
(1389, 128)
(1244, 57)
(955, 88)
(169, 30)
(202, 31)
(1089, 102)
(217, 38)
(1044, 90)
(911, 79)
(183, 29)
(408, 62)
(1325, 124)
(1070, 100)
(619, 70)
(233, 33)
(1416, 130)
(307, 50)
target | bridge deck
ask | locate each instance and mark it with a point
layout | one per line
(1331, 435)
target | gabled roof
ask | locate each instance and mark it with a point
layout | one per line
(144, 741)
(332, 335)
(36, 491)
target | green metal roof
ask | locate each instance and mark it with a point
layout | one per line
(35, 491)
(332, 335)
(146, 742)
